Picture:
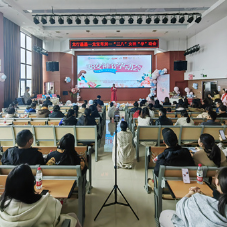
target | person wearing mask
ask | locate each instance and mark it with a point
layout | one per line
(65, 153)
(125, 149)
(56, 112)
(174, 154)
(144, 118)
(135, 107)
(111, 111)
(20, 205)
(211, 119)
(11, 113)
(205, 114)
(48, 102)
(198, 210)
(210, 154)
(157, 104)
(69, 119)
(151, 111)
(24, 153)
(86, 118)
(166, 102)
(44, 112)
(26, 95)
(222, 111)
(163, 120)
(184, 120)
(31, 109)
(99, 101)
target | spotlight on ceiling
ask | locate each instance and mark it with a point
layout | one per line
(130, 20)
(104, 20)
(148, 20)
(112, 20)
(69, 20)
(78, 20)
(165, 20)
(52, 20)
(139, 20)
(86, 20)
(181, 19)
(190, 19)
(173, 20)
(61, 20)
(122, 20)
(95, 20)
(156, 20)
(198, 19)
(36, 20)
(44, 19)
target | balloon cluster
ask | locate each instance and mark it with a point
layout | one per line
(67, 79)
(2, 77)
(195, 86)
(190, 94)
(176, 90)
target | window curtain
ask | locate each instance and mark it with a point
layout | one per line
(37, 67)
(12, 55)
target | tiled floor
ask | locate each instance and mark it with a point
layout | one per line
(130, 182)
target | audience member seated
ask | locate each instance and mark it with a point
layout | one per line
(31, 109)
(98, 107)
(44, 112)
(179, 108)
(205, 114)
(137, 113)
(69, 119)
(174, 154)
(196, 106)
(184, 120)
(144, 118)
(11, 113)
(205, 103)
(174, 103)
(152, 100)
(90, 103)
(135, 107)
(157, 104)
(211, 119)
(218, 104)
(209, 99)
(56, 112)
(222, 111)
(26, 95)
(48, 102)
(111, 111)
(22, 206)
(85, 102)
(210, 154)
(86, 118)
(76, 109)
(65, 153)
(185, 104)
(216, 96)
(99, 101)
(94, 112)
(15, 103)
(180, 102)
(125, 149)
(24, 153)
(163, 120)
(151, 111)
(166, 102)
(198, 210)
(81, 110)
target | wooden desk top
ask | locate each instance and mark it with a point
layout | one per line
(57, 188)
(180, 189)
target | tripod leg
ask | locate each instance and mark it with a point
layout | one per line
(104, 203)
(128, 203)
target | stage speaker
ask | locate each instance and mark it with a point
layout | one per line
(180, 65)
(52, 66)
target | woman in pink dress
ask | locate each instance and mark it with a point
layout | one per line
(113, 93)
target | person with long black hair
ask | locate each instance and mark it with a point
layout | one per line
(210, 154)
(70, 118)
(86, 118)
(184, 120)
(20, 205)
(198, 210)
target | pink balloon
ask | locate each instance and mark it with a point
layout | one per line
(187, 90)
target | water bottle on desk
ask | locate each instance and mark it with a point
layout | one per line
(39, 177)
(199, 174)
(4, 121)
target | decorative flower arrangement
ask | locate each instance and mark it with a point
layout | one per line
(175, 93)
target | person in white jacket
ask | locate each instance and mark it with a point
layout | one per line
(184, 120)
(21, 206)
(144, 118)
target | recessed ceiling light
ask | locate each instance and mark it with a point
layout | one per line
(87, 30)
(154, 31)
(118, 31)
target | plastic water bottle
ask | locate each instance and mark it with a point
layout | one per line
(4, 121)
(200, 174)
(39, 177)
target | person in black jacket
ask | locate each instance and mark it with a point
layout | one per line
(94, 111)
(157, 104)
(135, 107)
(56, 112)
(86, 118)
(99, 101)
(163, 120)
(70, 118)
(48, 102)
(24, 153)
(174, 154)
(222, 111)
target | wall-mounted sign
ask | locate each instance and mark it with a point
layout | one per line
(104, 44)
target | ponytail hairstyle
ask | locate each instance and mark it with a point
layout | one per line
(184, 113)
(213, 151)
(87, 114)
(69, 157)
(222, 178)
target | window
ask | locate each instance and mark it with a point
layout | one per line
(26, 63)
